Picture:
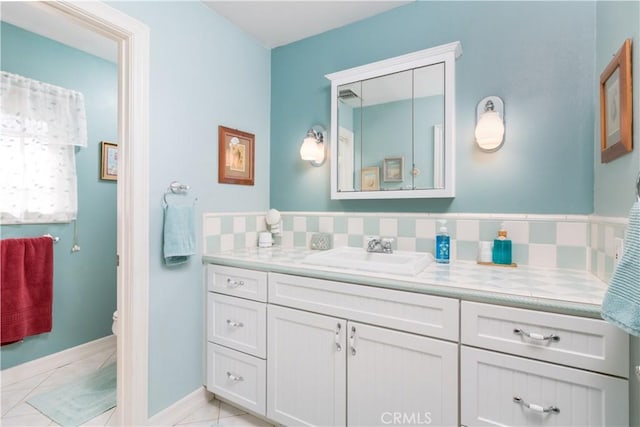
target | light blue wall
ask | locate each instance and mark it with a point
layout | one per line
(394, 130)
(537, 56)
(615, 181)
(84, 282)
(204, 72)
(382, 126)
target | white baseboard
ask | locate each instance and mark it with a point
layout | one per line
(55, 360)
(181, 409)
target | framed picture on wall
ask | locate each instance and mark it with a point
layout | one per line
(370, 178)
(615, 106)
(109, 161)
(235, 156)
(393, 170)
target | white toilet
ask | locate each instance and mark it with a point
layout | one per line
(114, 325)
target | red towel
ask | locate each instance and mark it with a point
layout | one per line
(26, 287)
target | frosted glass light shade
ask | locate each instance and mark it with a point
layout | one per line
(313, 148)
(489, 130)
(309, 149)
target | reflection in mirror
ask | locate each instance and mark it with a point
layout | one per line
(399, 123)
(396, 116)
(349, 100)
(428, 128)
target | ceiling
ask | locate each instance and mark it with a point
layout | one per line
(277, 23)
(272, 23)
(43, 20)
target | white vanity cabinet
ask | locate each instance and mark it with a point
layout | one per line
(329, 370)
(543, 379)
(237, 336)
(307, 351)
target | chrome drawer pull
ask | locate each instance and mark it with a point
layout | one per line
(338, 329)
(234, 323)
(236, 378)
(234, 283)
(537, 408)
(352, 341)
(536, 336)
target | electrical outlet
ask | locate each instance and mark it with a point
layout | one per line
(619, 250)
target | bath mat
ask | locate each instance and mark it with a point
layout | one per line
(81, 400)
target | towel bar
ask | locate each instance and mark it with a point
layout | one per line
(55, 239)
(176, 188)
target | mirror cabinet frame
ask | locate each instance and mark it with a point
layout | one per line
(446, 54)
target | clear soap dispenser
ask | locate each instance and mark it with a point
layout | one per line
(502, 248)
(443, 242)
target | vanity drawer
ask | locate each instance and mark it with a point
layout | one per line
(406, 311)
(238, 282)
(237, 323)
(238, 377)
(492, 383)
(569, 340)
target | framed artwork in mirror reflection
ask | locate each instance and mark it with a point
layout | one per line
(370, 179)
(393, 170)
(615, 106)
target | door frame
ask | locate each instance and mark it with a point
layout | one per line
(132, 38)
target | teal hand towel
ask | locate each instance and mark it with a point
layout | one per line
(621, 305)
(179, 235)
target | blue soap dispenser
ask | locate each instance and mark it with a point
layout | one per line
(502, 248)
(443, 242)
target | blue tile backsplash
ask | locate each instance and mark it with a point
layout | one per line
(578, 242)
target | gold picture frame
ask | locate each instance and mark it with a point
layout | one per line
(109, 161)
(370, 178)
(616, 105)
(235, 156)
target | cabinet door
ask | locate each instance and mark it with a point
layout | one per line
(399, 378)
(502, 390)
(306, 368)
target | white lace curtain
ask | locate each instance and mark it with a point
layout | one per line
(40, 126)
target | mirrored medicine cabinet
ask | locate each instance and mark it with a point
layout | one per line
(393, 127)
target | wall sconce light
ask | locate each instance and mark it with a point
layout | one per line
(490, 124)
(313, 146)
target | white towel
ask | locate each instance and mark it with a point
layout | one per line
(621, 305)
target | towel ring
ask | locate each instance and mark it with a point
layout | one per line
(176, 188)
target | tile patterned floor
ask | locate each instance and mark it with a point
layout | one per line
(217, 413)
(17, 412)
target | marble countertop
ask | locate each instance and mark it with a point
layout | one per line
(556, 290)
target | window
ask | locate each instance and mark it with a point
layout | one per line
(40, 126)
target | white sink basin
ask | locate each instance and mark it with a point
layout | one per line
(398, 262)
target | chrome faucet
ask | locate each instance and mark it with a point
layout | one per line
(378, 245)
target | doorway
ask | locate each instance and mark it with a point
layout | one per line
(132, 38)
